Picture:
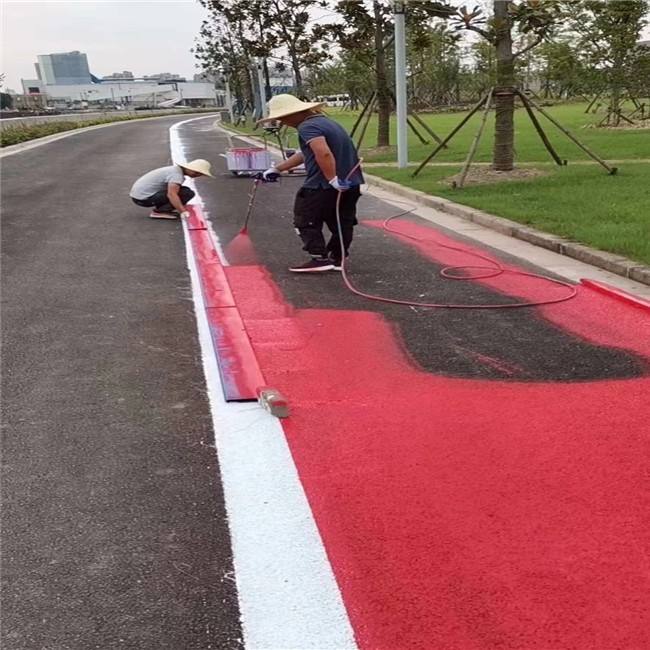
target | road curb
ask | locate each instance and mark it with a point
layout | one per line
(608, 261)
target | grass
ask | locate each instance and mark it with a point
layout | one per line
(579, 202)
(24, 132)
(611, 144)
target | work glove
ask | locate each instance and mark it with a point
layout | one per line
(340, 185)
(270, 175)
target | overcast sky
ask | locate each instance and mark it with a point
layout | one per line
(143, 36)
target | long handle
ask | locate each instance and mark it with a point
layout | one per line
(256, 182)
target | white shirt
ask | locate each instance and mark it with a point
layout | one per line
(155, 181)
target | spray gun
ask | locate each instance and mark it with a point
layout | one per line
(258, 178)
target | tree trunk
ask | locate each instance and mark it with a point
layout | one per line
(616, 81)
(383, 96)
(297, 75)
(504, 132)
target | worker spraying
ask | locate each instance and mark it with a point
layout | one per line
(332, 167)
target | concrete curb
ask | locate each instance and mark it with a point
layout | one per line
(608, 261)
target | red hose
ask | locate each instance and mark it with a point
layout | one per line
(448, 272)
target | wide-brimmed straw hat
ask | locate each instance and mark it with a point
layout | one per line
(282, 105)
(198, 165)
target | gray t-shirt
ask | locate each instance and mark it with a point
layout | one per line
(339, 143)
(155, 181)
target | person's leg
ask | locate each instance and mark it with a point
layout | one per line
(143, 203)
(348, 215)
(160, 202)
(186, 194)
(308, 221)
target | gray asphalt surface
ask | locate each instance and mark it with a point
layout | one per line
(114, 528)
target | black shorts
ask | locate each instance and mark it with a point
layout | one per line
(315, 207)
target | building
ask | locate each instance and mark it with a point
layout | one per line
(125, 75)
(66, 68)
(126, 94)
(164, 76)
(33, 86)
(66, 82)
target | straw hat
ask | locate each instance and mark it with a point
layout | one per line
(198, 165)
(283, 105)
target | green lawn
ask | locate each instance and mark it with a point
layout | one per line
(608, 143)
(580, 202)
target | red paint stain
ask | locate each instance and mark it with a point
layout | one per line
(466, 514)
(240, 250)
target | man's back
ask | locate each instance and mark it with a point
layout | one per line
(340, 145)
(155, 181)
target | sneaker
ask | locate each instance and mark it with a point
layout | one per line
(314, 265)
(163, 215)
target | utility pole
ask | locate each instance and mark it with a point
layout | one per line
(260, 83)
(399, 9)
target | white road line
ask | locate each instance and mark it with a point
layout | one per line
(288, 596)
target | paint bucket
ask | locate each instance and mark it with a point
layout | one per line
(238, 159)
(260, 159)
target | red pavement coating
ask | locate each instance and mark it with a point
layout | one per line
(464, 514)
(240, 250)
(617, 294)
(240, 372)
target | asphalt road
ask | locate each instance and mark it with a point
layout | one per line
(435, 515)
(114, 530)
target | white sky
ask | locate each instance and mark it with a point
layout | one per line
(143, 36)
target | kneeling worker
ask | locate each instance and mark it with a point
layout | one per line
(332, 166)
(162, 189)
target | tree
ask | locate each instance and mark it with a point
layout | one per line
(533, 19)
(236, 33)
(434, 54)
(609, 31)
(365, 29)
(561, 70)
(290, 23)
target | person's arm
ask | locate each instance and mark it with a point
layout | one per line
(324, 157)
(173, 196)
(291, 162)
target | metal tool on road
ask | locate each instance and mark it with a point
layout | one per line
(273, 401)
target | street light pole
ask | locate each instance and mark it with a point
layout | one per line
(260, 83)
(399, 7)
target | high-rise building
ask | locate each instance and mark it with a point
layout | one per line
(63, 68)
